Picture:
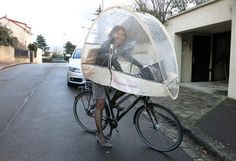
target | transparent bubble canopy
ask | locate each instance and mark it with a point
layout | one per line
(131, 52)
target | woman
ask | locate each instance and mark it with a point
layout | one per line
(115, 45)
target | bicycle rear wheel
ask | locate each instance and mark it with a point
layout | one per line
(158, 127)
(84, 111)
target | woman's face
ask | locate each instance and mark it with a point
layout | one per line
(119, 37)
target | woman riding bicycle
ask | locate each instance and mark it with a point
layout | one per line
(115, 47)
(140, 62)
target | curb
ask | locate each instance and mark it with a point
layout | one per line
(214, 147)
(10, 65)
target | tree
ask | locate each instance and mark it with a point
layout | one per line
(181, 5)
(33, 47)
(197, 2)
(56, 52)
(41, 43)
(6, 37)
(158, 8)
(69, 48)
(162, 8)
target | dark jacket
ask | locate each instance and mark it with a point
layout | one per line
(104, 56)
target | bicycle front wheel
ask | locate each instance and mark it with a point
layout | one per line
(84, 111)
(158, 127)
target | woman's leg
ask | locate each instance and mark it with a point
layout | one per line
(100, 104)
(98, 120)
(116, 96)
(100, 95)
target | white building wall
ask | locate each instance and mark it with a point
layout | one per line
(207, 14)
(39, 56)
(215, 11)
(232, 68)
(186, 68)
(23, 34)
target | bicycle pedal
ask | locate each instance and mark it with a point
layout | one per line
(117, 130)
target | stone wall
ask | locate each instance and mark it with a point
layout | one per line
(22, 59)
(7, 53)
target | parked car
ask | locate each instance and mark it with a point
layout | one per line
(74, 74)
(58, 60)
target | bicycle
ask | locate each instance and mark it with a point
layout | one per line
(157, 126)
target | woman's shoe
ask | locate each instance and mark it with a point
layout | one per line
(106, 144)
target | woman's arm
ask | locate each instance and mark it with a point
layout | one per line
(131, 59)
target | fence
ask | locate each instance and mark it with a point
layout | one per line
(23, 56)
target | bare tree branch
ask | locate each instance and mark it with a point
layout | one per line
(162, 8)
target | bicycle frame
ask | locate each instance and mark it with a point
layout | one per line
(119, 115)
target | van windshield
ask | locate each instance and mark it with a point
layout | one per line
(77, 54)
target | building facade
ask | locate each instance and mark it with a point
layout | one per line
(204, 38)
(20, 30)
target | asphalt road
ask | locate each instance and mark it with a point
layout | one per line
(37, 122)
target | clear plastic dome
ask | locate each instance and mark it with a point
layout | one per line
(131, 52)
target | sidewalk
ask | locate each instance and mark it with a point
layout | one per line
(7, 64)
(219, 130)
(208, 117)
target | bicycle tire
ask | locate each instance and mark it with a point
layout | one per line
(158, 127)
(84, 111)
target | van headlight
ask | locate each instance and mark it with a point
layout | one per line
(76, 70)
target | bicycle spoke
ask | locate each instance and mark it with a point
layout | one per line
(158, 127)
(84, 112)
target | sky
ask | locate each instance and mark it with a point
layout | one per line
(58, 21)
